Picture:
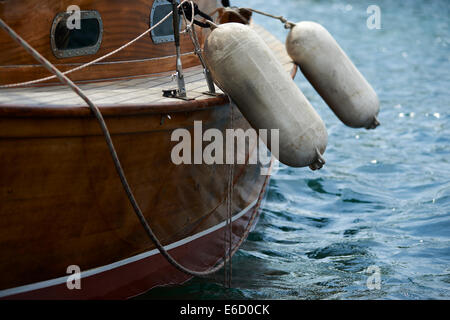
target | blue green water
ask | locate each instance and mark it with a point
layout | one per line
(383, 198)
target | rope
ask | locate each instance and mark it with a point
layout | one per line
(229, 229)
(93, 61)
(65, 80)
(198, 51)
(195, 11)
(188, 25)
(287, 24)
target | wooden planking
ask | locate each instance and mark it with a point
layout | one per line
(63, 204)
(122, 22)
(129, 95)
(99, 71)
(131, 91)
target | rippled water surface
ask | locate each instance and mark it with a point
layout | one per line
(383, 198)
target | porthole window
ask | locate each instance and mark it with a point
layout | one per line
(164, 32)
(73, 42)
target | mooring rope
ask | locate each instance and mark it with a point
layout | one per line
(95, 110)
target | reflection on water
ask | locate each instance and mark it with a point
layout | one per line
(383, 199)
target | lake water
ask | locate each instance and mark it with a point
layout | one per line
(383, 198)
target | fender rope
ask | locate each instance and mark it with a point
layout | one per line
(65, 80)
(287, 24)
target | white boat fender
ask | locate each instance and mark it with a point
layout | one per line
(244, 67)
(333, 75)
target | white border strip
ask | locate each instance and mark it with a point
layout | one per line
(91, 272)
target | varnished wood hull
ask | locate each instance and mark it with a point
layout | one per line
(62, 202)
(132, 276)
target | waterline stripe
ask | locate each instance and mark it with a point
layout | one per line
(85, 274)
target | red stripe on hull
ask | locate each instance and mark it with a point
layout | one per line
(140, 276)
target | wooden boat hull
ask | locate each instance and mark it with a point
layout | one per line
(135, 275)
(63, 204)
(61, 200)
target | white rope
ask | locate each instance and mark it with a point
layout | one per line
(287, 24)
(93, 61)
(189, 26)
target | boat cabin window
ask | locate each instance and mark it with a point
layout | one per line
(164, 32)
(71, 38)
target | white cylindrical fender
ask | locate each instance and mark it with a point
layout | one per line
(245, 68)
(333, 75)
